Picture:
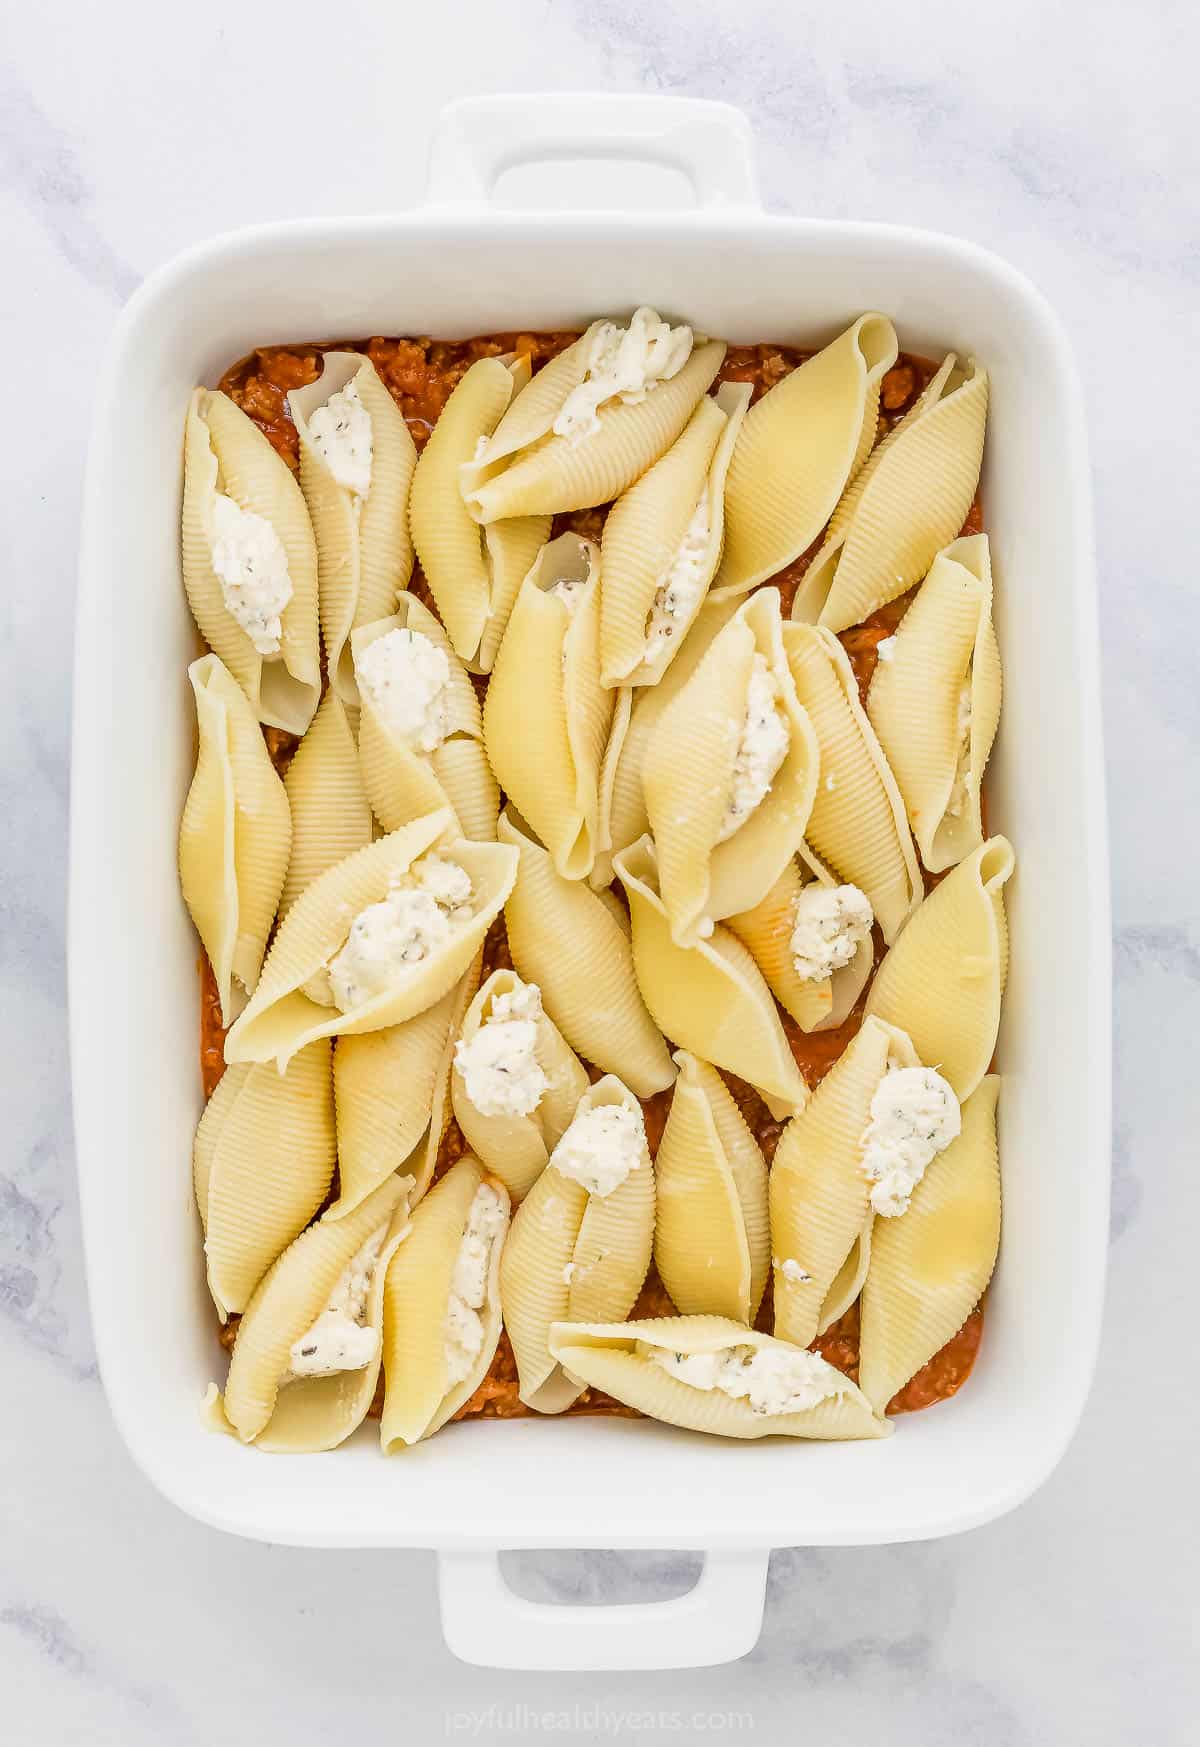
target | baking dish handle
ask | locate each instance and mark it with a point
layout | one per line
(478, 138)
(487, 1623)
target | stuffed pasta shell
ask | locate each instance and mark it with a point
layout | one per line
(546, 716)
(234, 836)
(441, 1304)
(516, 1081)
(250, 562)
(420, 734)
(581, 1240)
(357, 460)
(331, 816)
(812, 942)
(592, 420)
(712, 1374)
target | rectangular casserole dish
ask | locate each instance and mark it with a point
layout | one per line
(460, 266)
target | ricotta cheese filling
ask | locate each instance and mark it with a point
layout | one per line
(469, 1282)
(569, 590)
(499, 1064)
(341, 433)
(771, 1379)
(914, 1116)
(406, 679)
(678, 592)
(625, 364)
(791, 1270)
(388, 939)
(340, 1339)
(601, 1147)
(252, 568)
(957, 804)
(830, 924)
(762, 747)
(886, 649)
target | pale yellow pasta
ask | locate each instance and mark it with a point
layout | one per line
(943, 980)
(710, 998)
(712, 1243)
(390, 1091)
(516, 1146)
(690, 776)
(225, 453)
(765, 931)
(574, 1255)
(401, 780)
(364, 550)
(473, 580)
(527, 469)
(331, 817)
(263, 1161)
(263, 1403)
(420, 1393)
(662, 543)
(801, 445)
(929, 1270)
(546, 715)
(574, 944)
(857, 828)
(234, 836)
(910, 498)
(934, 702)
(617, 1357)
(821, 1213)
(281, 1018)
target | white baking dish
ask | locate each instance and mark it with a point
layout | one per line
(456, 267)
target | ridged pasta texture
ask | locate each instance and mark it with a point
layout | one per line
(574, 1255)
(618, 1358)
(546, 716)
(765, 930)
(712, 1243)
(801, 446)
(225, 453)
(364, 550)
(234, 836)
(907, 502)
(331, 816)
(934, 702)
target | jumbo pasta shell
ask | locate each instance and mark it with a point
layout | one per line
(331, 817)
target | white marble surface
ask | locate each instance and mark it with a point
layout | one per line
(1065, 138)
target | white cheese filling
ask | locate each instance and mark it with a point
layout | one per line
(830, 924)
(914, 1116)
(251, 565)
(469, 1282)
(340, 1339)
(341, 433)
(406, 679)
(678, 591)
(625, 364)
(772, 1380)
(601, 1147)
(956, 806)
(762, 747)
(569, 590)
(388, 939)
(886, 650)
(791, 1269)
(499, 1064)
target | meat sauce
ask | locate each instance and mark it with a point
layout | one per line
(421, 374)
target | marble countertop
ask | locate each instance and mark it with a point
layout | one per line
(1065, 139)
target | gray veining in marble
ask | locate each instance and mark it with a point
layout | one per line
(1063, 137)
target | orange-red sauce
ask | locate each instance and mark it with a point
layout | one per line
(421, 374)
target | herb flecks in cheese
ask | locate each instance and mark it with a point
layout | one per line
(790, 1269)
(829, 925)
(499, 1064)
(251, 565)
(678, 593)
(341, 1339)
(762, 747)
(341, 433)
(914, 1116)
(387, 940)
(601, 1147)
(625, 364)
(469, 1283)
(772, 1380)
(406, 678)
(956, 806)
